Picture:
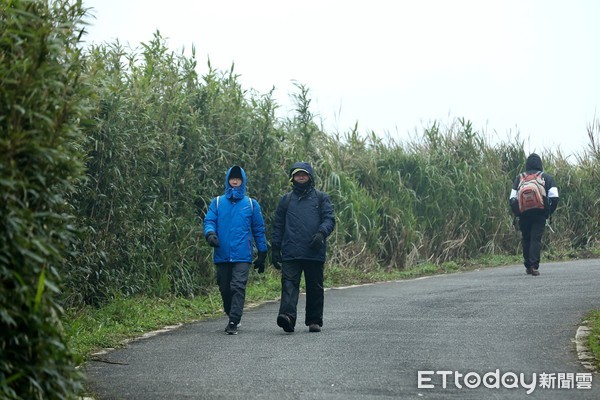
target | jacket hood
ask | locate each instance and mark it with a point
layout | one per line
(240, 191)
(302, 188)
(302, 166)
(534, 162)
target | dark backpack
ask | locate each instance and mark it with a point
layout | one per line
(531, 192)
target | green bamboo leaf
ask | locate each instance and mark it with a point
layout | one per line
(40, 290)
(7, 319)
(32, 255)
(6, 382)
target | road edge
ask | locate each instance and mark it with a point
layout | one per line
(585, 356)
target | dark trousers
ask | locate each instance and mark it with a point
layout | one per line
(291, 273)
(232, 279)
(532, 230)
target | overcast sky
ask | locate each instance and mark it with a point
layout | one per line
(510, 66)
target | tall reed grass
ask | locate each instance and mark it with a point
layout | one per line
(162, 137)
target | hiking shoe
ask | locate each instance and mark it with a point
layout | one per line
(232, 328)
(285, 322)
(314, 328)
(535, 272)
(239, 325)
(529, 271)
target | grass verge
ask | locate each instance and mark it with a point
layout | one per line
(593, 322)
(90, 329)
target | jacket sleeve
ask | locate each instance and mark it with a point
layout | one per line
(552, 204)
(258, 227)
(278, 224)
(210, 220)
(552, 194)
(327, 216)
(512, 199)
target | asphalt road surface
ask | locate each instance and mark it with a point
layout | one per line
(490, 334)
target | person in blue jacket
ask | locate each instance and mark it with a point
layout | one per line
(233, 224)
(303, 220)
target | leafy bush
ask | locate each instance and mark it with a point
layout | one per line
(39, 166)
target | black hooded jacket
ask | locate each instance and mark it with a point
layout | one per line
(534, 164)
(299, 217)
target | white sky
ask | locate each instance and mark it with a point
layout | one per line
(394, 66)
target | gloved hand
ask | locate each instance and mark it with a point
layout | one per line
(276, 257)
(514, 207)
(212, 239)
(259, 263)
(317, 241)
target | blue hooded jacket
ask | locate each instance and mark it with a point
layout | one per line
(237, 221)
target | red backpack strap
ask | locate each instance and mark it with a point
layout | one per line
(522, 176)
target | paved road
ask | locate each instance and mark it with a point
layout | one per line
(489, 324)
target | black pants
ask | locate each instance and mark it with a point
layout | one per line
(532, 230)
(291, 273)
(232, 279)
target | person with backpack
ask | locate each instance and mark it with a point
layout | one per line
(232, 226)
(533, 199)
(303, 220)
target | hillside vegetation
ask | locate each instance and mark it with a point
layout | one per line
(160, 138)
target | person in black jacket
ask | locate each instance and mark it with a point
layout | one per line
(303, 220)
(533, 221)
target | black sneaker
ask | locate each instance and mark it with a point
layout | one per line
(285, 322)
(535, 272)
(239, 325)
(232, 328)
(314, 328)
(529, 271)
